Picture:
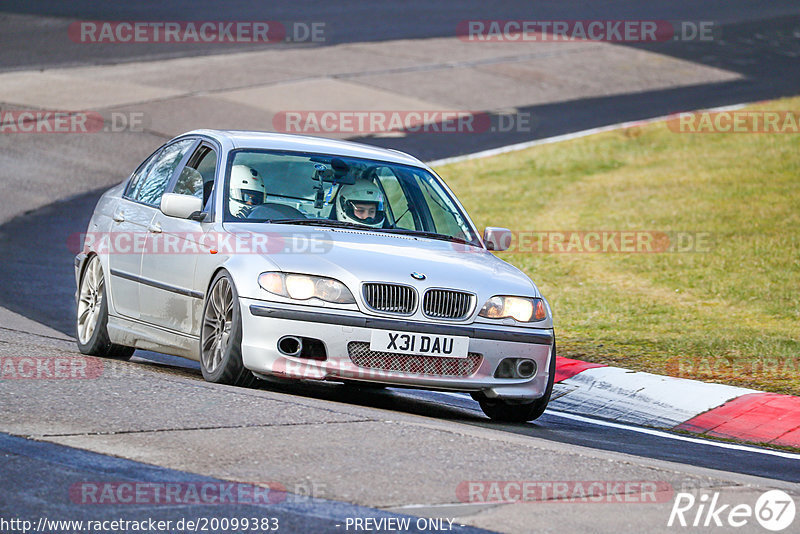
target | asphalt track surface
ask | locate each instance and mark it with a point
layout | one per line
(31, 466)
(552, 425)
(37, 247)
(37, 38)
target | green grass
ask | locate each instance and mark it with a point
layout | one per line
(730, 314)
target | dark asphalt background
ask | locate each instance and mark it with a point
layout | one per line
(40, 38)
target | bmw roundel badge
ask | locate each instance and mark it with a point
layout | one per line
(417, 276)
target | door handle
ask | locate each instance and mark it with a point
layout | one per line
(154, 228)
(119, 217)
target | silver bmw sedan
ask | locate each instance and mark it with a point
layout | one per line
(268, 255)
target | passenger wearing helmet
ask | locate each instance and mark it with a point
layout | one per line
(246, 191)
(361, 203)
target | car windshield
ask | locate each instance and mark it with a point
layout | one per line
(338, 191)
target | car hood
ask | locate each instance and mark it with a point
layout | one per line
(354, 256)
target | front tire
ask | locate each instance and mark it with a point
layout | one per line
(221, 336)
(499, 410)
(91, 328)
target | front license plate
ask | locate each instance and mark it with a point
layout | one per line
(421, 344)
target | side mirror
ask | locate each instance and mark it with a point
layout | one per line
(181, 206)
(498, 239)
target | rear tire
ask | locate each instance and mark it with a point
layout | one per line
(221, 336)
(91, 327)
(506, 411)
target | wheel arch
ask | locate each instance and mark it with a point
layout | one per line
(213, 277)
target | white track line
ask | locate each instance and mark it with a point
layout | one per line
(566, 137)
(678, 437)
(653, 432)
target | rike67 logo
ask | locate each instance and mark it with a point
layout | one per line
(773, 510)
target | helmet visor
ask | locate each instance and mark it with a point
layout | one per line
(249, 196)
(366, 212)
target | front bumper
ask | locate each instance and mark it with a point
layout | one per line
(264, 323)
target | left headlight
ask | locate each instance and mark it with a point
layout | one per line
(304, 287)
(522, 309)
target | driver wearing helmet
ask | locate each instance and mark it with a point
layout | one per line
(247, 190)
(361, 203)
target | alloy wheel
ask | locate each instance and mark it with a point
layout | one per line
(217, 323)
(90, 300)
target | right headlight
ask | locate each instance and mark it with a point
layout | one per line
(522, 309)
(304, 287)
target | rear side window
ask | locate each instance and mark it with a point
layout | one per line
(156, 175)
